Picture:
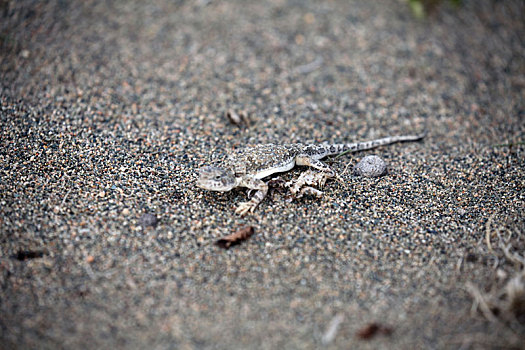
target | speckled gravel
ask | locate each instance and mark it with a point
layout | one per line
(107, 109)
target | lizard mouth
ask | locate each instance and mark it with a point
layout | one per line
(202, 184)
(206, 186)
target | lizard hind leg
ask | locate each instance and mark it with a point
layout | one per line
(305, 180)
(317, 164)
(314, 163)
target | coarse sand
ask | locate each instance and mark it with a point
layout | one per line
(109, 107)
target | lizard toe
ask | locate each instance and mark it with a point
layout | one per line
(244, 208)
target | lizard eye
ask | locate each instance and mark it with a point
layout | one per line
(217, 177)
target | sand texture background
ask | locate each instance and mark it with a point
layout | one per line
(108, 108)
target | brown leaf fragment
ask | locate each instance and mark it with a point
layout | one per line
(235, 238)
(373, 329)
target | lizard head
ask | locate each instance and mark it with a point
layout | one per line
(216, 179)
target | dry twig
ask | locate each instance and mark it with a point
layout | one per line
(331, 330)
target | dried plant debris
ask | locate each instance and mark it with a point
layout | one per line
(309, 67)
(373, 329)
(240, 119)
(23, 255)
(503, 299)
(507, 300)
(235, 238)
(331, 330)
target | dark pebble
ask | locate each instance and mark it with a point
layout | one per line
(148, 220)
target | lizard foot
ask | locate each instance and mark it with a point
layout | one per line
(311, 191)
(245, 207)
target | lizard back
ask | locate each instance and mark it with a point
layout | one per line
(264, 160)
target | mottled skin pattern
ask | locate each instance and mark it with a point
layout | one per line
(247, 167)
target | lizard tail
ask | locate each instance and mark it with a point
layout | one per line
(361, 146)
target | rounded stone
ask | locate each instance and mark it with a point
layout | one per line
(148, 220)
(370, 166)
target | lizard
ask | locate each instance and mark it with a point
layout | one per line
(248, 167)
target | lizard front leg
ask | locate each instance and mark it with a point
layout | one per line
(261, 190)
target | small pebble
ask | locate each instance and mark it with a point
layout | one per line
(147, 220)
(370, 166)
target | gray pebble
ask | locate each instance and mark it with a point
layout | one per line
(370, 166)
(147, 220)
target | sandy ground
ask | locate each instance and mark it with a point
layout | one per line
(108, 109)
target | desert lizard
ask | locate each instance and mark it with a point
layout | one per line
(249, 166)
